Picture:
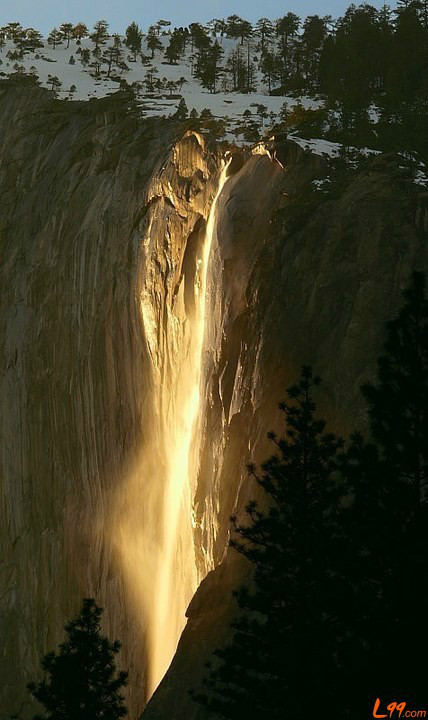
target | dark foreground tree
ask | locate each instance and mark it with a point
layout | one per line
(388, 476)
(337, 610)
(281, 661)
(398, 402)
(81, 681)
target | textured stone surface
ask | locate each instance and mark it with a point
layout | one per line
(325, 275)
(79, 185)
(100, 210)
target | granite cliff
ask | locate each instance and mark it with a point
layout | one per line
(104, 224)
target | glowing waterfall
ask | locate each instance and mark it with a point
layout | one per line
(170, 601)
(153, 528)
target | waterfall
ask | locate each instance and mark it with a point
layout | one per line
(177, 563)
(154, 531)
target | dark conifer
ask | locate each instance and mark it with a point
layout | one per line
(281, 661)
(81, 680)
(388, 477)
(134, 38)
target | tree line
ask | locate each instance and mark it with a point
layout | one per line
(370, 65)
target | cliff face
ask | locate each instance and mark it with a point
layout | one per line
(79, 184)
(103, 222)
(324, 277)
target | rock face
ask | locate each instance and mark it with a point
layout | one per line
(321, 280)
(102, 221)
(79, 186)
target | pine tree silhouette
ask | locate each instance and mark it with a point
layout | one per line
(281, 660)
(81, 682)
(336, 610)
(398, 403)
(388, 476)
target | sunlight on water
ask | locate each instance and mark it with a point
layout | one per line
(153, 531)
(168, 619)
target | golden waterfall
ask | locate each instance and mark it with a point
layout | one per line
(153, 531)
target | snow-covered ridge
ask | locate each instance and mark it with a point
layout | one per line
(79, 82)
(69, 70)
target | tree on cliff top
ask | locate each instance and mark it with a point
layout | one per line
(134, 37)
(153, 42)
(81, 679)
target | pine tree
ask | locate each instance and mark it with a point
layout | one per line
(33, 39)
(113, 54)
(66, 30)
(161, 25)
(236, 67)
(268, 66)
(85, 57)
(199, 37)
(171, 86)
(233, 23)
(54, 38)
(264, 30)
(388, 475)
(134, 38)
(246, 30)
(281, 661)
(250, 68)
(398, 403)
(54, 82)
(208, 65)
(174, 49)
(180, 82)
(81, 679)
(182, 110)
(100, 34)
(314, 33)
(217, 26)
(287, 27)
(153, 42)
(13, 30)
(149, 79)
(80, 31)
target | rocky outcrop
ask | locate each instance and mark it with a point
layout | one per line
(101, 216)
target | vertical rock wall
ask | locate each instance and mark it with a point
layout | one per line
(80, 185)
(313, 283)
(101, 215)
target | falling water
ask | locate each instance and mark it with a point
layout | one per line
(171, 600)
(154, 532)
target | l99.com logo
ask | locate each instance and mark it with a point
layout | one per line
(396, 709)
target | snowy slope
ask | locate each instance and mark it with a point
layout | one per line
(227, 105)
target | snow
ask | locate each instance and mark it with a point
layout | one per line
(374, 114)
(227, 105)
(421, 178)
(321, 184)
(416, 170)
(325, 148)
(318, 146)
